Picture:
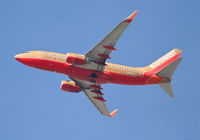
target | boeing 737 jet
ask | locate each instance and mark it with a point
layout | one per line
(89, 71)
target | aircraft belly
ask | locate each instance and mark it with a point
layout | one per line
(106, 77)
(88, 75)
(118, 78)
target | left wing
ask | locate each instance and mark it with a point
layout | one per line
(98, 55)
(93, 92)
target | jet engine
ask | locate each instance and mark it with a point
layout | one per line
(75, 59)
(69, 86)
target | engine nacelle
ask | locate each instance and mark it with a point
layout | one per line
(69, 86)
(75, 59)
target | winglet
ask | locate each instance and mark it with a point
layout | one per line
(112, 114)
(131, 17)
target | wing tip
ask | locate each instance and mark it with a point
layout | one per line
(112, 114)
(131, 17)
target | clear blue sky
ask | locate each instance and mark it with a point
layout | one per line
(32, 106)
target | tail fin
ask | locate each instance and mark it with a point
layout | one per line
(165, 60)
(165, 66)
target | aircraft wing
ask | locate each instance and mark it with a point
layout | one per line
(98, 102)
(93, 92)
(102, 50)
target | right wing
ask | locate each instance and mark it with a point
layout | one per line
(98, 102)
(93, 92)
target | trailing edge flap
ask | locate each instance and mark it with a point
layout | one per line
(169, 70)
(167, 88)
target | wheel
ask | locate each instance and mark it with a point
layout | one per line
(93, 75)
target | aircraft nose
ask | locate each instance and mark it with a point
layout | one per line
(18, 57)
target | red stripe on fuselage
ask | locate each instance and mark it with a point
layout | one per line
(49, 65)
(166, 63)
(84, 74)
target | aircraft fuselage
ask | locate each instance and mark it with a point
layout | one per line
(112, 73)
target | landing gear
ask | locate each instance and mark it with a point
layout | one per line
(94, 75)
(93, 81)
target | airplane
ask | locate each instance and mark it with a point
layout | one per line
(88, 72)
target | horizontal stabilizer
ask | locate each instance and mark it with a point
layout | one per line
(167, 88)
(169, 70)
